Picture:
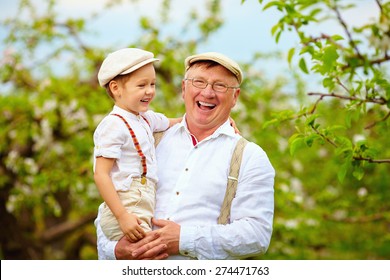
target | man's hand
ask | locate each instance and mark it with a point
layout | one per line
(168, 235)
(124, 249)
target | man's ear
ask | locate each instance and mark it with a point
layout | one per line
(235, 96)
(183, 88)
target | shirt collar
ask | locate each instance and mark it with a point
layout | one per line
(225, 128)
(124, 113)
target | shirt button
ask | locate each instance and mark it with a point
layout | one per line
(177, 193)
(186, 169)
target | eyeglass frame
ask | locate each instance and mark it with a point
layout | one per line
(212, 85)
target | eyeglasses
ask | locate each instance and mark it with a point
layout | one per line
(202, 84)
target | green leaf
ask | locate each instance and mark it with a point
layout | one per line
(345, 144)
(302, 65)
(336, 127)
(271, 122)
(311, 119)
(272, 3)
(309, 140)
(358, 173)
(290, 55)
(328, 83)
(343, 171)
(277, 37)
(329, 59)
(275, 28)
(337, 37)
(297, 144)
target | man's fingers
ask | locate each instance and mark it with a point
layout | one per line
(159, 223)
(150, 237)
(161, 256)
(155, 253)
(151, 247)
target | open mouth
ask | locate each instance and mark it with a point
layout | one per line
(205, 106)
(145, 100)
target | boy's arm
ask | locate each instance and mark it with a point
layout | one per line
(233, 124)
(107, 191)
(106, 187)
(159, 122)
(173, 121)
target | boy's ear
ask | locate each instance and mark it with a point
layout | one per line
(114, 88)
(113, 85)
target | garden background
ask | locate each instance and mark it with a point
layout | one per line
(316, 97)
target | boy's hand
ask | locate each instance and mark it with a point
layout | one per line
(130, 225)
(233, 124)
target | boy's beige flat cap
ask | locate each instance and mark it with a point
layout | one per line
(123, 61)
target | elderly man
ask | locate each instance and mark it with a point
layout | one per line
(193, 160)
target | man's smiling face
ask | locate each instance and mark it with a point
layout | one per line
(205, 108)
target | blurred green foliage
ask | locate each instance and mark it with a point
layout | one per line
(329, 148)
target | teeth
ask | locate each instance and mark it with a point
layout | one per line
(206, 104)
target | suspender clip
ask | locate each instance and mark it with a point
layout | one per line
(232, 178)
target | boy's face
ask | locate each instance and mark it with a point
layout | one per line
(135, 93)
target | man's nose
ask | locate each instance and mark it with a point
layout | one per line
(208, 91)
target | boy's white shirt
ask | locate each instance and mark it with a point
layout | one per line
(112, 140)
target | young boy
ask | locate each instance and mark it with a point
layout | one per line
(124, 155)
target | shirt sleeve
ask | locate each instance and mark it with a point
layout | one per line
(105, 247)
(157, 121)
(249, 232)
(109, 138)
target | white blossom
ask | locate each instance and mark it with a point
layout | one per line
(291, 224)
(297, 165)
(362, 192)
(358, 137)
(31, 165)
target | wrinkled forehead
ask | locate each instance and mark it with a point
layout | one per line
(199, 67)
